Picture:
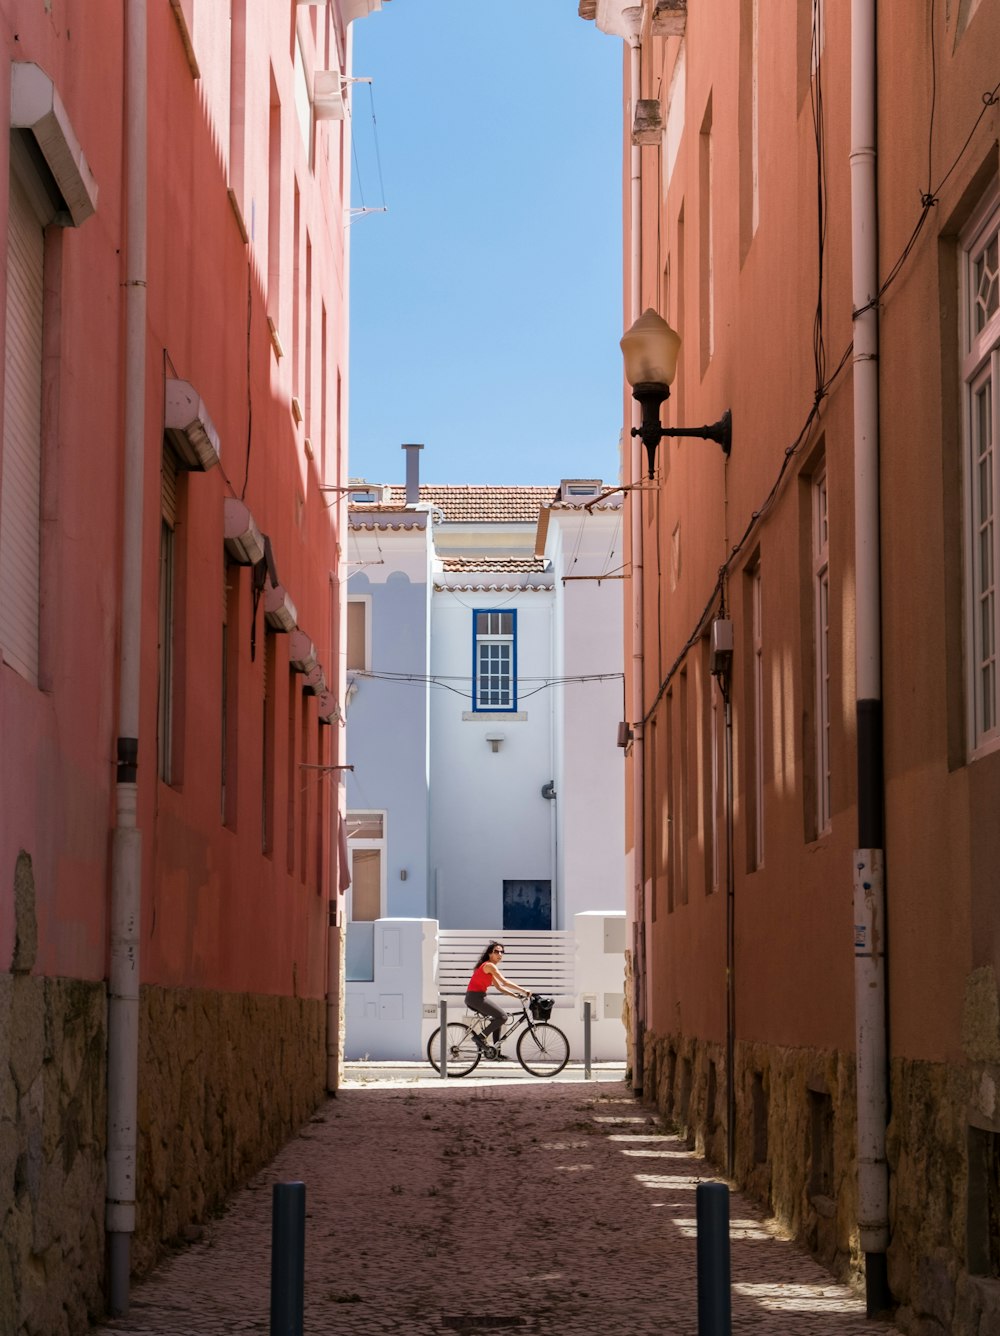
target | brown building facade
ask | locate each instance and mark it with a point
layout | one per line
(811, 201)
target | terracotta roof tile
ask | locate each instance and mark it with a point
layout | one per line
(498, 564)
(482, 504)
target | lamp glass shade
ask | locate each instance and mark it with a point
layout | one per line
(650, 350)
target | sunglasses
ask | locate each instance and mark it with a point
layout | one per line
(497, 951)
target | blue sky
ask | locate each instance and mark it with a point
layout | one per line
(486, 303)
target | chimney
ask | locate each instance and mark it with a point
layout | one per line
(412, 474)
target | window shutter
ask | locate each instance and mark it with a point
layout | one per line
(168, 486)
(20, 481)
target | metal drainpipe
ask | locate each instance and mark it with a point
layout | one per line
(126, 858)
(869, 898)
(624, 20)
(730, 944)
(639, 973)
(335, 929)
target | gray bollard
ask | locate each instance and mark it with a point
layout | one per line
(444, 1038)
(586, 1039)
(715, 1310)
(288, 1258)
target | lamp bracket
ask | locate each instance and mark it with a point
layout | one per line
(650, 397)
(720, 432)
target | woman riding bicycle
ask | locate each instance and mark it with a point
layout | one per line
(485, 974)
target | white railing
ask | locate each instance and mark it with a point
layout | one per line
(542, 961)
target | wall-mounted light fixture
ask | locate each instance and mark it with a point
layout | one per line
(650, 350)
(494, 739)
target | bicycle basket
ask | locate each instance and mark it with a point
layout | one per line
(541, 1007)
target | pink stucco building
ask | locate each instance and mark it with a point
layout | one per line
(173, 390)
(811, 201)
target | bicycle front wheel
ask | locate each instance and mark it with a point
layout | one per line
(543, 1049)
(463, 1051)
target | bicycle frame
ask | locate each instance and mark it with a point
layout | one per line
(542, 1048)
(478, 1023)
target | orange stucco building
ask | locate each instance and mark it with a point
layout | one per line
(811, 195)
(174, 408)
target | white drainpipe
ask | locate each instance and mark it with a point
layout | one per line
(622, 19)
(642, 910)
(126, 862)
(869, 898)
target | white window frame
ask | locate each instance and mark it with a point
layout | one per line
(980, 370)
(379, 844)
(821, 633)
(366, 601)
(501, 639)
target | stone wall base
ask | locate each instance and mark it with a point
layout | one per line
(944, 1157)
(795, 1153)
(794, 1131)
(224, 1080)
(53, 1041)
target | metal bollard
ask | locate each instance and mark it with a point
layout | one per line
(715, 1316)
(444, 1038)
(586, 1039)
(288, 1258)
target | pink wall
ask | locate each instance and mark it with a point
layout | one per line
(794, 958)
(216, 912)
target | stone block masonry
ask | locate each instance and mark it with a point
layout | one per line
(53, 1042)
(224, 1079)
(795, 1131)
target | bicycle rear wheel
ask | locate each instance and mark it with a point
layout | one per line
(543, 1049)
(463, 1051)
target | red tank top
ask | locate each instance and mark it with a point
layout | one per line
(480, 980)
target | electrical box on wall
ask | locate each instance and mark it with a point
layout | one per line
(722, 645)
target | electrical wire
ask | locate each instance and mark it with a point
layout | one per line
(444, 681)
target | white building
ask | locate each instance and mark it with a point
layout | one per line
(486, 689)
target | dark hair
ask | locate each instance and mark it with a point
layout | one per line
(486, 954)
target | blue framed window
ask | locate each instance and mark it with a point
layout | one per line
(494, 660)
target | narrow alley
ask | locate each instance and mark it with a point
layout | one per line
(487, 1204)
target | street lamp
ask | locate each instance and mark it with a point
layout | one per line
(650, 350)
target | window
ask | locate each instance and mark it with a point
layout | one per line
(366, 842)
(359, 657)
(237, 97)
(366, 893)
(230, 680)
(267, 744)
(706, 258)
(715, 787)
(527, 906)
(755, 758)
(170, 482)
(494, 662)
(981, 375)
(821, 632)
(274, 198)
(21, 472)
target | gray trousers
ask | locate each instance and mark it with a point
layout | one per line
(477, 1002)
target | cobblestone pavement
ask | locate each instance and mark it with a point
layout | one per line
(551, 1207)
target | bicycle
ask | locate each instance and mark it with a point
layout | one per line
(542, 1049)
